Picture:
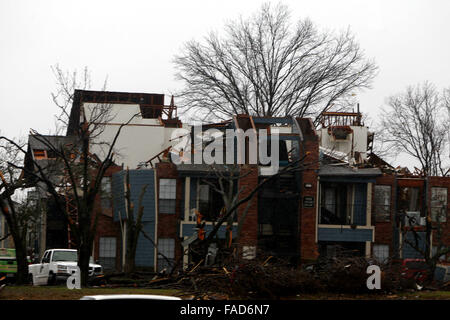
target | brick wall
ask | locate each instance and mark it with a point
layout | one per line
(384, 229)
(443, 182)
(106, 227)
(249, 233)
(307, 216)
(168, 224)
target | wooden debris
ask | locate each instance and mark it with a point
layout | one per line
(193, 269)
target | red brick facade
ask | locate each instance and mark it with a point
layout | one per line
(384, 231)
(168, 224)
(248, 182)
(443, 182)
(106, 226)
(307, 216)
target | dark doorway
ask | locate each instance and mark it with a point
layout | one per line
(278, 203)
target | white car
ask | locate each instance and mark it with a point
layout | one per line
(57, 265)
(129, 297)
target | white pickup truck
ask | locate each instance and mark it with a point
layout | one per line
(57, 265)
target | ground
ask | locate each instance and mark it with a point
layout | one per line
(62, 293)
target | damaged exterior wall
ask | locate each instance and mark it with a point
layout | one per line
(388, 233)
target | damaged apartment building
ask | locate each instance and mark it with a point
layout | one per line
(148, 123)
(342, 196)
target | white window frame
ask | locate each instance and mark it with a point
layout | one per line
(381, 252)
(433, 216)
(167, 192)
(386, 204)
(166, 246)
(111, 251)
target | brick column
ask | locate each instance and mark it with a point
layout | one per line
(307, 219)
(249, 233)
(168, 224)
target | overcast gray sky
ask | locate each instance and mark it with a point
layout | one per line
(133, 44)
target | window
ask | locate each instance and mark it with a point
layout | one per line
(106, 192)
(107, 252)
(434, 251)
(46, 257)
(210, 202)
(203, 199)
(166, 253)
(439, 204)
(167, 195)
(409, 199)
(39, 154)
(382, 203)
(51, 154)
(381, 252)
(65, 256)
(336, 203)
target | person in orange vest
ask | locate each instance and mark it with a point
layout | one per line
(200, 225)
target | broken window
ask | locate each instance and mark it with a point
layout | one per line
(434, 252)
(51, 154)
(167, 195)
(107, 252)
(210, 202)
(439, 204)
(382, 203)
(334, 200)
(409, 200)
(381, 252)
(343, 203)
(150, 112)
(166, 253)
(340, 132)
(106, 192)
(39, 154)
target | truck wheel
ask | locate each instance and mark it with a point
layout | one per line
(51, 279)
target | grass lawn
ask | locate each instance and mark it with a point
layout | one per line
(62, 293)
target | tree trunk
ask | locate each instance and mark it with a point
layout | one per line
(130, 254)
(83, 261)
(22, 262)
(19, 244)
(129, 261)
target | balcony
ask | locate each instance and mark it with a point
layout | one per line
(341, 214)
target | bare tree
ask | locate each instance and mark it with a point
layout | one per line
(423, 245)
(417, 123)
(19, 214)
(132, 225)
(75, 173)
(267, 66)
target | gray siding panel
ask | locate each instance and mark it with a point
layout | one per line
(138, 179)
(344, 234)
(145, 249)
